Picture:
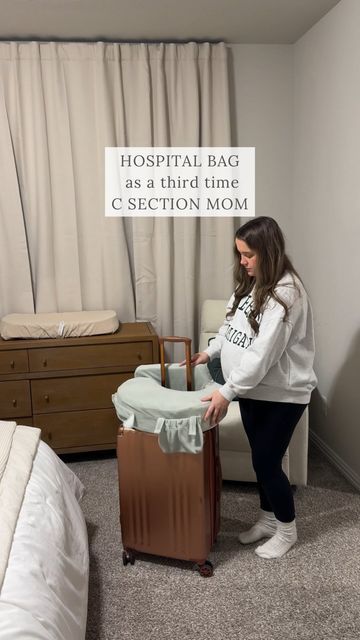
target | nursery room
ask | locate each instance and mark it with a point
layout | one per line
(179, 441)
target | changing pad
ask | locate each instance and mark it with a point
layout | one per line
(176, 415)
(58, 325)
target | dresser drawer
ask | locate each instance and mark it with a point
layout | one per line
(86, 357)
(78, 429)
(71, 394)
(15, 399)
(13, 362)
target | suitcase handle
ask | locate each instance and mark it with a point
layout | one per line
(187, 342)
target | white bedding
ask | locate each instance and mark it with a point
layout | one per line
(18, 447)
(44, 593)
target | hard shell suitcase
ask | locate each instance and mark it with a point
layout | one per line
(169, 503)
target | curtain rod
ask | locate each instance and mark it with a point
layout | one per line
(107, 41)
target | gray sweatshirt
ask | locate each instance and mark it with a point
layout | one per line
(277, 363)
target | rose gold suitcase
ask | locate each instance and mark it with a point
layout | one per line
(169, 503)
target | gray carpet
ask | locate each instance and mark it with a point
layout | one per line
(311, 593)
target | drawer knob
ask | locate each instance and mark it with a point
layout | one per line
(44, 362)
(12, 364)
(14, 402)
(139, 356)
(49, 436)
(46, 398)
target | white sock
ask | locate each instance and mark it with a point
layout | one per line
(284, 538)
(263, 528)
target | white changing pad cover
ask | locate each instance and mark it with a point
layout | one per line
(67, 324)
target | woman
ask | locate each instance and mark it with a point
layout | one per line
(266, 346)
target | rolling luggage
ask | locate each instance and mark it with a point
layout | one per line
(169, 502)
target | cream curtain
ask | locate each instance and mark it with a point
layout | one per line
(60, 105)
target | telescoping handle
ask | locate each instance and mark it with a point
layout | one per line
(187, 342)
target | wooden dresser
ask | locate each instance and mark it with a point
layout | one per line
(64, 385)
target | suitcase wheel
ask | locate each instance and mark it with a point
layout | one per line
(128, 556)
(206, 570)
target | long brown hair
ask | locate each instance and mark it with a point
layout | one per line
(263, 236)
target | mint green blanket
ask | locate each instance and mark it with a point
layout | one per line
(175, 414)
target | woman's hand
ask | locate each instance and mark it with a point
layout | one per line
(197, 358)
(217, 409)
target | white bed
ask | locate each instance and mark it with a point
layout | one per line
(45, 587)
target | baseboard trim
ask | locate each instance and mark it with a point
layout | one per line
(335, 459)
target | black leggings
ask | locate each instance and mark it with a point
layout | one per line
(269, 427)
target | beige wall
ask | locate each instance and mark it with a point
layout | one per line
(326, 219)
(300, 107)
(262, 116)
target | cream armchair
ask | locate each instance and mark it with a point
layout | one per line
(234, 447)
